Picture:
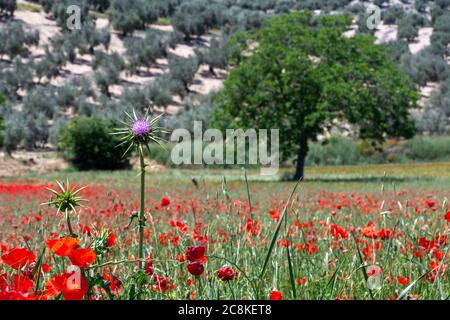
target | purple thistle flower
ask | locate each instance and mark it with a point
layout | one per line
(140, 127)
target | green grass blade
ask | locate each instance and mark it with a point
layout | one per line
(277, 230)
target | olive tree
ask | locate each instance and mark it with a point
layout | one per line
(7, 7)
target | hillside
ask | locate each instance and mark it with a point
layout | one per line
(102, 70)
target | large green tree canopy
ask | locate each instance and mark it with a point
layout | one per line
(300, 73)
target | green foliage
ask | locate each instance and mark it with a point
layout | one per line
(295, 81)
(425, 66)
(2, 125)
(362, 23)
(428, 148)
(160, 92)
(49, 66)
(338, 150)
(407, 30)
(194, 18)
(435, 118)
(392, 14)
(144, 52)
(99, 5)
(193, 110)
(88, 144)
(182, 72)
(7, 7)
(15, 40)
(397, 49)
(108, 68)
(19, 76)
(61, 16)
(216, 55)
(335, 151)
(127, 16)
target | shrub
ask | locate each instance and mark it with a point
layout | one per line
(428, 148)
(392, 14)
(435, 118)
(334, 151)
(88, 144)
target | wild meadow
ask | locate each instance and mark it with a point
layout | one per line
(114, 124)
(368, 232)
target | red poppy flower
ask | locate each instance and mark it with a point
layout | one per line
(196, 253)
(447, 216)
(71, 284)
(148, 268)
(369, 231)
(402, 280)
(274, 214)
(162, 283)
(165, 202)
(3, 248)
(337, 232)
(18, 283)
(14, 295)
(18, 257)
(253, 226)
(275, 295)
(45, 268)
(81, 257)
(438, 254)
(195, 268)
(180, 257)
(113, 281)
(225, 273)
(62, 247)
(111, 240)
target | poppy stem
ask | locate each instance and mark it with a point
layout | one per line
(231, 290)
(141, 212)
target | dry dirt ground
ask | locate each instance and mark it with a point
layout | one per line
(26, 162)
(44, 162)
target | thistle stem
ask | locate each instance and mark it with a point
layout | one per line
(69, 225)
(141, 212)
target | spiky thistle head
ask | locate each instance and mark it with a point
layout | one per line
(65, 199)
(139, 132)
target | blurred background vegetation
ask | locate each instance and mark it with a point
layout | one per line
(43, 97)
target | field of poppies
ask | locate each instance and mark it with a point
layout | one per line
(374, 232)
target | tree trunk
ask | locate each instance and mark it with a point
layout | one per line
(211, 70)
(302, 151)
